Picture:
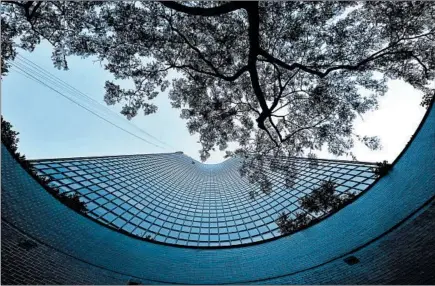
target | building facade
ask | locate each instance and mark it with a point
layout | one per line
(206, 228)
(174, 199)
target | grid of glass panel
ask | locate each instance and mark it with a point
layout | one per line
(180, 201)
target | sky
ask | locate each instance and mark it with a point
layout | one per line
(52, 126)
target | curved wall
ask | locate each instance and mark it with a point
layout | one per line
(389, 229)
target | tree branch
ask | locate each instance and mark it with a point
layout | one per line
(301, 129)
(276, 129)
(227, 78)
(34, 9)
(372, 57)
(270, 136)
(202, 57)
(282, 88)
(29, 14)
(206, 12)
(254, 47)
(421, 63)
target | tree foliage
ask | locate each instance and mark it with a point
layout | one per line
(9, 136)
(382, 169)
(277, 78)
(288, 225)
(72, 201)
(10, 139)
(322, 201)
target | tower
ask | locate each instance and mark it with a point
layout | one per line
(171, 198)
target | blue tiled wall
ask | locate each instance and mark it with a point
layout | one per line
(310, 256)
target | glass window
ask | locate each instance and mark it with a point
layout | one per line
(109, 217)
(128, 227)
(127, 216)
(201, 205)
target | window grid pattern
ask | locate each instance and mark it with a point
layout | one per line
(180, 201)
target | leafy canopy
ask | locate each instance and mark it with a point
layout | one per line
(277, 78)
(322, 201)
(9, 136)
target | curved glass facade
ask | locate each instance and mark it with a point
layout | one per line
(174, 199)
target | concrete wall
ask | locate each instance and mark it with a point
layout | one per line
(389, 229)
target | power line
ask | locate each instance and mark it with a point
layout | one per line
(64, 84)
(28, 75)
(60, 87)
(56, 81)
(75, 91)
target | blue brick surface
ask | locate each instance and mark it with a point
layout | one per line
(313, 256)
(44, 265)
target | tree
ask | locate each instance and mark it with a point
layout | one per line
(9, 137)
(323, 200)
(381, 169)
(278, 78)
(10, 140)
(288, 225)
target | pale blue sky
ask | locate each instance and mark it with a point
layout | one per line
(51, 126)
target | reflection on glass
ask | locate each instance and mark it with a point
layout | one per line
(176, 202)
